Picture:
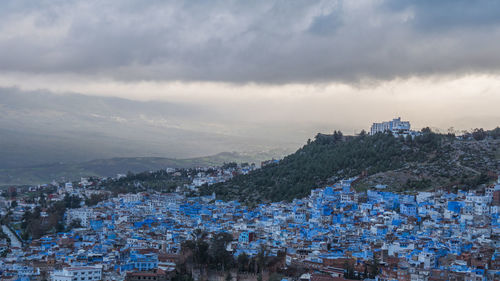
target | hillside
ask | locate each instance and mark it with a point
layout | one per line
(113, 166)
(426, 162)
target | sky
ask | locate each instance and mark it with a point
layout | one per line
(323, 65)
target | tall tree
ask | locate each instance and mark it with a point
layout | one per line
(242, 261)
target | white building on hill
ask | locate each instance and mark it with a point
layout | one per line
(395, 126)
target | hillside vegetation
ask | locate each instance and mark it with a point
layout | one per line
(111, 167)
(428, 161)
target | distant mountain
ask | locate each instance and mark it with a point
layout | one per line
(111, 167)
(38, 127)
(426, 162)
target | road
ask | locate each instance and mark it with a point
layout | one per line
(14, 242)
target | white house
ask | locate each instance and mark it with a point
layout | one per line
(77, 274)
(82, 214)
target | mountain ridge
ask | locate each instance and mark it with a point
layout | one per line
(109, 167)
(39, 127)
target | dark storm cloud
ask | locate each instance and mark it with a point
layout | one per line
(327, 24)
(250, 41)
(450, 14)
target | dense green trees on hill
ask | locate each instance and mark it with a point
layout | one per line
(160, 180)
(328, 158)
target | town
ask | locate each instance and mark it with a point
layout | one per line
(336, 233)
(250, 140)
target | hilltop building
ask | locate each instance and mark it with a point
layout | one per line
(395, 126)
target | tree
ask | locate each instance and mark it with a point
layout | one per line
(426, 130)
(348, 270)
(71, 201)
(401, 138)
(479, 134)
(495, 133)
(451, 132)
(275, 277)
(181, 273)
(13, 194)
(230, 165)
(262, 257)
(95, 199)
(374, 267)
(26, 219)
(198, 247)
(242, 262)
(77, 223)
(220, 258)
(42, 201)
(337, 135)
(408, 140)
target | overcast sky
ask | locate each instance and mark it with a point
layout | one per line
(338, 64)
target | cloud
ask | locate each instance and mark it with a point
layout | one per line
(449, 14)
(276, 42)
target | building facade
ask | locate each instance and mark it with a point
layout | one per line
(396, 127)
(87, 273)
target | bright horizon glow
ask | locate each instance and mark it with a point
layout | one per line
(461, 102)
